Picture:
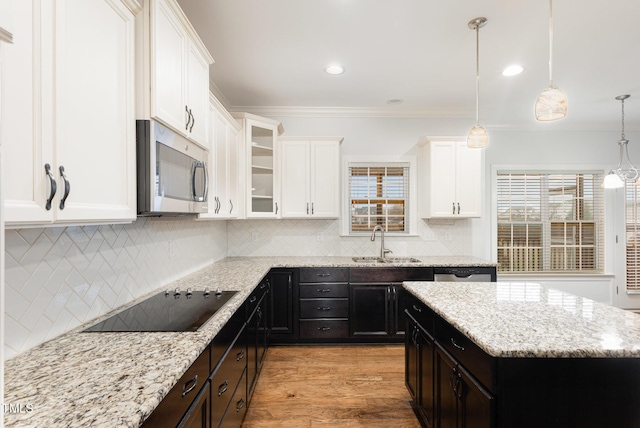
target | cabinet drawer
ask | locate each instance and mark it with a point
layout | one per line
(376, 275)
(177, 402)
(469, 355)
(324, 274)
(237, 406)
(324, 329)
(324, 308)
(226, 378)
(420, 312)
(311, 291)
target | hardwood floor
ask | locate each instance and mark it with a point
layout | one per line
(332, 386)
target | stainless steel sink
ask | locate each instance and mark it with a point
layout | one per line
(385, 260)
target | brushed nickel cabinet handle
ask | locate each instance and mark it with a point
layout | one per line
(189, 385)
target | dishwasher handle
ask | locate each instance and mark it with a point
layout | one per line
(460, 277)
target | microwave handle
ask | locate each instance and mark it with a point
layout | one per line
(194, 167)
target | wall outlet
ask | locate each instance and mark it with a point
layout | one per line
(172, 248)
(447, 236)
(319, 237)
(254, 236)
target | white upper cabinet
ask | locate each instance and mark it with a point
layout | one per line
(310, 177)
(225, 201)
(178, 71)
(451, 179)
(262, 167)
(69, 123)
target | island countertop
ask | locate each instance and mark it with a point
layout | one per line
(117, 379)
(528, 320)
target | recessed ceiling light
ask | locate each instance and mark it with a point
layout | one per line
(512, 70)
(334, 69)
(395, 101)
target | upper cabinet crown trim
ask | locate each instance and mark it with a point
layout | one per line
(314, 138)
(223, 111)
(244, 115)
(133, 5)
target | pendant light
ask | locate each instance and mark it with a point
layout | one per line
(478, 136)
(552, 102)
(619, 175)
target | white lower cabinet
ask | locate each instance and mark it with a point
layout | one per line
(451, 179)
(224, 200)
(69, 117)
(310, 177)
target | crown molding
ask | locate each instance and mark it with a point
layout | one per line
(294, 111)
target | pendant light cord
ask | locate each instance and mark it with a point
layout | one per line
(551, 43)
(477, 74)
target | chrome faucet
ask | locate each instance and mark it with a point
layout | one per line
(383, 251)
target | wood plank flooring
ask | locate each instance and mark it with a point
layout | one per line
(332, 386)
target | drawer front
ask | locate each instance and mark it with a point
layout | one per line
(324, 308)
(324, 329)
(395, 274)
(226, 378)
(420, 312)
(177, 402)
(324, 274)
(319, 291)
(237, 407)
(468, 354)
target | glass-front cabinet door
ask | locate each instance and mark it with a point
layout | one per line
(263, 175)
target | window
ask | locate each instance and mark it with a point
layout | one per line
(378, 195)
(632, 223)
(550, 222)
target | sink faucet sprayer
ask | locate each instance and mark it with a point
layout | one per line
(383, 251)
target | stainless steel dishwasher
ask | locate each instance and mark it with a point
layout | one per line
(465, 274)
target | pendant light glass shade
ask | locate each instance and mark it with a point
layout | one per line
(625, 171)
(478, 137)
(552, 102)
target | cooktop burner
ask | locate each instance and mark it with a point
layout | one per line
(171, 310)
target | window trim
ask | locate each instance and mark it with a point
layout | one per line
(549, 169)
(387, 161)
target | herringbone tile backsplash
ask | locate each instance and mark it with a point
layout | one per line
(60, 277)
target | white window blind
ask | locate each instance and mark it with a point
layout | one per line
(632, 222)
(550, 222)
(378, 195)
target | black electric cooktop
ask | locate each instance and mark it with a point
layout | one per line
(167, 311)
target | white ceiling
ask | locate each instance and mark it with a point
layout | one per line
(270, 54)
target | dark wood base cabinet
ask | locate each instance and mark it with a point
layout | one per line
(454, 384)
(215, 391)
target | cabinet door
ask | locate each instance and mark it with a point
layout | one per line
(370, 310)
(168, 44)
(94, 110)
(411, 360)
(325, 179)
(446, 401)
(233, 173)
(220, 146)
(296, 174)
(282, 308)
(425, 399)
(263, 196)
(197, 95)
(468, 180)
(26, 136)
(442, 170)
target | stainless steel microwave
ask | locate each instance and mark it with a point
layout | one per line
(172, 172)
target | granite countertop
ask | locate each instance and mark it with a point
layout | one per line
(532, 321)
(117, 379)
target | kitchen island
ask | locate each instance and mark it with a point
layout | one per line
(519, 354)
(117, 379)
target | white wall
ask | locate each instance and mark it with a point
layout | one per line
(60, 277)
